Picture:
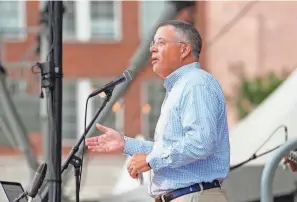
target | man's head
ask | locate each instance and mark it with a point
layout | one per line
(175, 44)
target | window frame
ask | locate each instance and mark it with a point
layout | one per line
(21, 27)
(74, 37)
(88, 38)
(117, 24)
(144, 27)
(119, 116)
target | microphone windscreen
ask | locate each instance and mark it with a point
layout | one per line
(128, 75)
(38, 179)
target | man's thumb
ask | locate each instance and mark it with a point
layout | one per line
(102, 128)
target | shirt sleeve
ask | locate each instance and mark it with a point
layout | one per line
(200, 108)
(136, 146)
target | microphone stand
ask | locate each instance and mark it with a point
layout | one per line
(22, 195)
(72, 158)
(75, 160)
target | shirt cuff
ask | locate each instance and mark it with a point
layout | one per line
(129, 146)
(154, 162)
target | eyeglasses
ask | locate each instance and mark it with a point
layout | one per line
(160, 43)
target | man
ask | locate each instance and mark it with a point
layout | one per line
(189, 158)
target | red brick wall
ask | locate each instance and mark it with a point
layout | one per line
(95, 60)
(263, 39)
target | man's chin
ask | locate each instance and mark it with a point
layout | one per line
(155, 68)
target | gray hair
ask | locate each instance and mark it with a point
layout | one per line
(188, 32)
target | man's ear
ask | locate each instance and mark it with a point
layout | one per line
(185, 50)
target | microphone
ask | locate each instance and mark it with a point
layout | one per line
(126, 76)
(37, 180)
(36, 184)
(2, 69)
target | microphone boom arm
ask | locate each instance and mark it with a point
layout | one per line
(74, 150)
(72, 158)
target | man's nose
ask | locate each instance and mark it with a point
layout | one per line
(153, 48)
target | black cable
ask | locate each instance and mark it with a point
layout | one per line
(35, 70)
(52, 111)
(52, 45)
(255, 156)
(83, 150)
(52, 34)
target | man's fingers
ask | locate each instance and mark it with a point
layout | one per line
(91, 143)
(102, 128)
(98, 149)
(129, 168)
(133, 173)
(92, 147)
(102, 139)
(91, 139)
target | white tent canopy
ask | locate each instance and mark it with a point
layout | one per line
(280, 108)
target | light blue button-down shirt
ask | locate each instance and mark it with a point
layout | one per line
(191, 142)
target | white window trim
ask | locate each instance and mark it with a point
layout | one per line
(142, 7)
(118, 24)
(22, 24)
(72, 38)
(83, 25)
(117, 8)
(145, 122)
(145, 125)
(23, 20)
(120, 115)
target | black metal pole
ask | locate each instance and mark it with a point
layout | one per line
(55, 22)
(49, 96)
(58, 96)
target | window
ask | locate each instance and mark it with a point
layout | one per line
(105, 22)
(152, 99)
(115, 118)
(69, 20)
(69, 110)
(12, 19)
(28, 107)
(150, 12)
(92, 20)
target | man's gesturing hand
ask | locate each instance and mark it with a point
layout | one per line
(137, 165)
(111, 141)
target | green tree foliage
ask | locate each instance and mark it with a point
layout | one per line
(253, 92)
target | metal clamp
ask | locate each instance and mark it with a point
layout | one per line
(270, 169)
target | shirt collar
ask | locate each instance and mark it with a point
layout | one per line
(172, 78)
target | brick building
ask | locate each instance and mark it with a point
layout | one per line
(99, 40)
(101, 37)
